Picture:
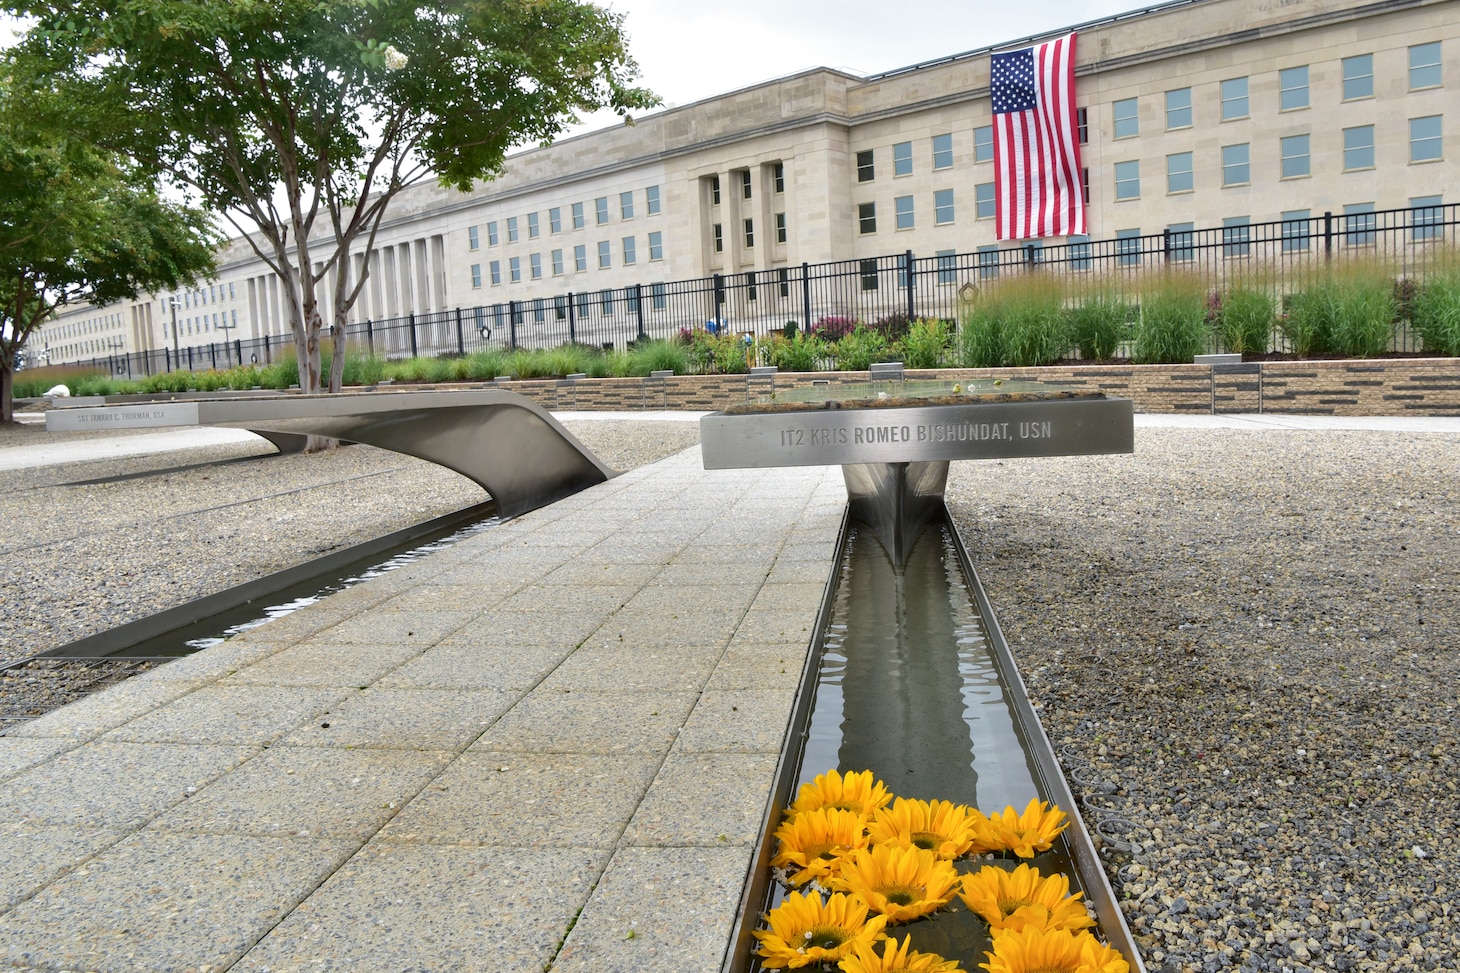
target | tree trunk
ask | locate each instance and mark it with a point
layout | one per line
(7, 388)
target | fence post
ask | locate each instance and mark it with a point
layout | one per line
(213, 355)
(718, 283)
(911, 288)
(238, 348)
(190, 358)
(572, 320)
(805, 297)
(1166, 244)
(460, 338)
(1327, 234)
(512, 325)
(639, 308)
(411, 323)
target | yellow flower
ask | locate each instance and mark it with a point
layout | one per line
(897, 959)
(815, 842)
(1058, 951)
(1027, 834)
(858, 792)
(805, 930)
(1023, 899)
(901, 883)
(942, 827)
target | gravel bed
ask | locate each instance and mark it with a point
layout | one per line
(1244, 646)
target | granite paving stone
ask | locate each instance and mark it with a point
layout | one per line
(19, 753)
(590, 722)
(759, 665)
(528, 800)
(407, 719)
(519, 628)
(576, 573)
(601, 599)
(685, 626)
(779, 625)
(720, 599)
(479, 664)
(36, 856)
(739, 721)
(418, 628)
(451, 596)
(324, 664)
(701, 799)
(219, 662)
(114, 706)
(242, 715)
(621, 666)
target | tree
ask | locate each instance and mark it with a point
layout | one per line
(288, 114)
(78, 226)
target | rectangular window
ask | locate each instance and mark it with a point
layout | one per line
(983, 201)
(626, 206)
(1358, 147)
(1082, 125)
(869, 275)
(560, 308)
(1424, 66)
(943, 151)
(492, 233)
(1236, 236)
(533, 228)
(1234, 99)
(1079, 252)
(750, 286)
(651, 200)
(902, 206)
(600, 210)
(1236, 165)
(511, 229)
(778, 178)
(943, 207)
(983, 143)
(555, 220)
(1358, 224)
(749, 234)
(1358, 77)
(534, 265)
(1128, 248)
(1293, 88)
(1127, 118)
(718, 231)
(745, 183)
(631, 252)
(557, 257)
(631, 300)
(578, 220)
(902, 159)
(1178, 173)
(539, 306)
(783, 282)
(1294, 152)
(657, 299)
(780, 227)
(580, 257)
(473, 241)
(476, 275)
(866, 218)
(514, 269)
(947, 266)
(866, 172)
(1295, 230)
(605, 255)
(988, 262)
(1178, 108)
(585, 304)
(902, 270)
(605, 301)
(1426, 138)
(715, 190)
(495, 269)
(1181, 236)
(1128, 180)
(1425, 217)
(656, 245)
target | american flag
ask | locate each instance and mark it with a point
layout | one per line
(1036, 144)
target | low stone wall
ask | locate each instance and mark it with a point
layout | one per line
(1372, 387)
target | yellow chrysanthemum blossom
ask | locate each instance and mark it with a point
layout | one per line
(859, 792)
(1057, 951)
(942, 827)
(902, 884)
(805, 930)
(1026, 835)
(1023, 899)
(813, 844)
(897, 959)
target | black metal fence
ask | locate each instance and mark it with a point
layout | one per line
(1283, 254)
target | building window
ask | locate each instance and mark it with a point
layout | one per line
(1294, 152)
(718, 232)
(902, 159)
(866, 218)
(514, 269)
(534, 265)
(1178, 108)
(605, 255)
(578, 216)
(745, 183)
(1358, 147)
(580, 257)
(1128, 248)
(902, 270)
(533, 227)
(1424, 66)
(983, 143)
(783, 282)
(1128, 180)
(750, 285)
(780, 227)
(492, 233)
(943, 151)
(511, 229)
(656, 245)
(715, 190)
(1236, 165)
(600, 210)
(473, 241)
(1358, 224)
(1425, 138)
(1425, 217)
(1181, 236)
(1358, 77)
(626, 206)
(631, 253)
(1295, 230)
(869, 274)
(1293, 88)
(943, 207)
(495, 270)
(1178, 173)
(1127, 118)
(865, 170)
(1236, 236)
(749, 234)
(983, 201)
(987, 259)
(651, 200)
(657, 296)
(476, 275)
(555, 219)
(778, 177)
(557, 257)
(605, 301)
(902, 207)
(1234, 99)
(947, 266)
(585, 304)
(560, 308)
(1082, 125)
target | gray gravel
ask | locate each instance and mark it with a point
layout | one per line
(1245, 646)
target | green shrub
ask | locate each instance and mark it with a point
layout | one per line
(243, 378)
(363, 369)
(567, 359)
(658, 355)
(1018, 322)
(408, 369)
(796, 353)
(485, 365)
(981, 343)
(1307, 321)
(1098, 324)
(1172, 325)
(104, 385)
(282, 372)
(210, 380)
(1365, 310)
(25, 385)
(616, 363)
(926, 343)
(1244, 321)
(1435, 312)
(856, 351)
